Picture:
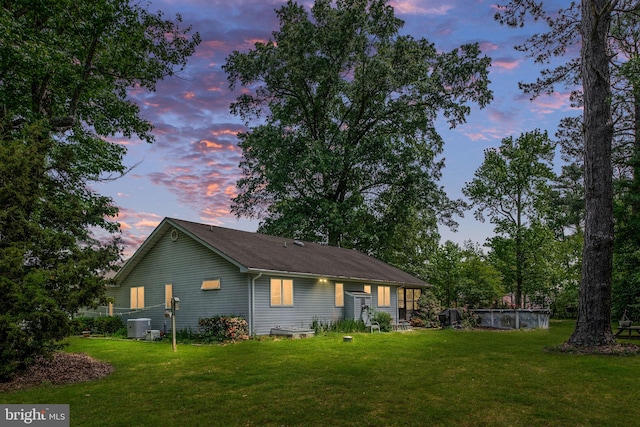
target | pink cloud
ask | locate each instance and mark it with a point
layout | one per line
(210, 144)
(551, 103)
(251, 42)
(203, 171)
(479, 136)
(213, 215)
(208, 47)
(475, 133)
(147, 223)
(415, 7)
(120, 140)
(506, 63)
(500, 116)
(125, 226)
(135, 228)
(227, 132)
(212, 189)
(488, 46)
(231, 191)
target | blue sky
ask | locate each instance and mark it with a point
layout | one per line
(191, 169)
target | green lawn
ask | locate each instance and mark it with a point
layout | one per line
(423, 378)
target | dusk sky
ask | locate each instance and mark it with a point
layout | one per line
(191, 170)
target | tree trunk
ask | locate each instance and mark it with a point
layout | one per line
(593, 327)
(519, 254)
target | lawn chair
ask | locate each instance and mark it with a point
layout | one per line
(372, 325)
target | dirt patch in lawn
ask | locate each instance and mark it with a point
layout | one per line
(616, 349)
(62, 368)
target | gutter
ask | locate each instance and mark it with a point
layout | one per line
(333, 277)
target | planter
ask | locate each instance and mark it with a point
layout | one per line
(86, 334)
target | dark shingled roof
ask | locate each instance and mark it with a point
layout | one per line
(255, 252)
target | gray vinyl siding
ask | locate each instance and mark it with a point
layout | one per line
(312, 299)
(184, 263)
(393, 308)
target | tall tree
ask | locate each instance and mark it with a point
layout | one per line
(593, 326)
(445, 273)
(65, 69)
(591, 21)
(348, 143)
(626, 261)
(482, 284)
(526, 263)
(463, 276)
(623, 44)
(512, 187)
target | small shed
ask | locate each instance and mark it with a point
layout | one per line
(354, 302)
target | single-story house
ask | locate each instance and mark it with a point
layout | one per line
(271, 281)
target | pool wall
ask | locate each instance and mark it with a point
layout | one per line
(513, 319)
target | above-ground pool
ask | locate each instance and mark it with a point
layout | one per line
(513, 318)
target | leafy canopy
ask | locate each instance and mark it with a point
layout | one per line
(603, 33)
(463, 276)
(512, 187)
(343, 143)
(65, 68)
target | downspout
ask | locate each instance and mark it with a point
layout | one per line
(252, 298)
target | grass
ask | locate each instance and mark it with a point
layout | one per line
(430, 377)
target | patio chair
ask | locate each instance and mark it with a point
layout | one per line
(372, 325)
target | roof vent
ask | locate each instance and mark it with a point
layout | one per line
(298, 242)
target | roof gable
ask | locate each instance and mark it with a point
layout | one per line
(256, 252)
